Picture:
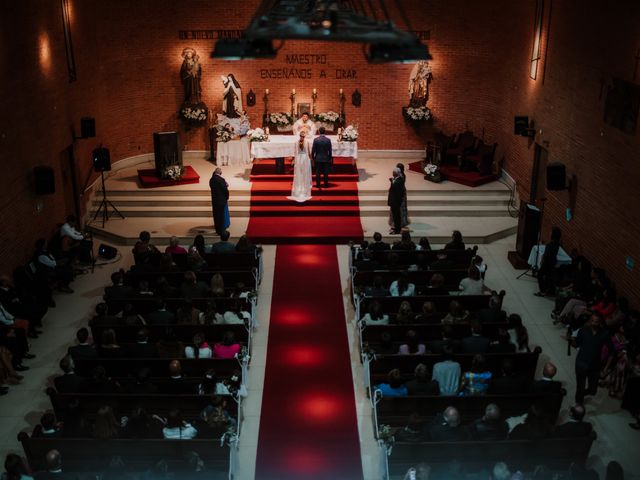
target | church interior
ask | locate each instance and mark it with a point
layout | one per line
(320, 239)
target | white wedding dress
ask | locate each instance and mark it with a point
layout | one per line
(301, 188)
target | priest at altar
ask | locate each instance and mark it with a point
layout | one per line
(304, 121)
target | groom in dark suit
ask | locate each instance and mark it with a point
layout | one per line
(394, 199)
(219, 198)
(322, 157)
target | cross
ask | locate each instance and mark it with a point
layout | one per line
(635, 68)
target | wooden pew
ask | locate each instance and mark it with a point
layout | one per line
(459, 258)
(230, 277)
(191, 367)
(395, 411)
(524, 363)
(123, 403)
(216, 261)
(184, 333)
(555, 453)
(419, 278)
(146, 305)
(91, 455)
(372, 334)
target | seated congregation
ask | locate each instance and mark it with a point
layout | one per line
(444, 363)
(154, 384)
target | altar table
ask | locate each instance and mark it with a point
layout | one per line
(233, 152)
(280, 146)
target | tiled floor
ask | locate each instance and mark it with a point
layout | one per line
(22, 407)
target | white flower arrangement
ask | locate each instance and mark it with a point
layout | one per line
(174, 172)
(257, 135)
(222, 134)
(418, 113)
(281, 118)
(350, 134)
(327, 117)
(194, 114)
(430, 168)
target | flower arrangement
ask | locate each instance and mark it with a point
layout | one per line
(197, 113)
(430, 168)
(432, 172)
(257, 135)
(327, 117)
(417, 114)
(223, 133)
(349, 134)
(173, 172)
(281, 118)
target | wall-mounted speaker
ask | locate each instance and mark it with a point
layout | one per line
(556, 176)
(44, 180)
(520, 125)
(101, 159)
(87, 127)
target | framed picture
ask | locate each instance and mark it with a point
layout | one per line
(302, 108)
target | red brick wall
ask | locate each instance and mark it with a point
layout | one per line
(128, 60)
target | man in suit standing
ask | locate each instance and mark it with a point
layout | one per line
(322, 158)
(394, 199)
(219, 199)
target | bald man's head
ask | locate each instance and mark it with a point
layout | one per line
(452, 416)
(54, 460)
(492, 412)
(549, 370)
(578, 412)
(175, 369)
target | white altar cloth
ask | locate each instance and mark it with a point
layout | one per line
(233, 152)
(286, 146)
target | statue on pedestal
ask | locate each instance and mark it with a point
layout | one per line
(190, 73)
(231, 97)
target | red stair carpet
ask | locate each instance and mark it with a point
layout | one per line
(308, 426)
(149, 179)
(453, 174)
(331, 216)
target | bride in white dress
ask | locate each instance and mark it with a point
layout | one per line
(301, 188)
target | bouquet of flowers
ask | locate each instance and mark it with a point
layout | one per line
(349, 134)
(281, 118)
(194, 113)
(223, 134)
(430, 168)
(173, 172)
(432, 172)
(257, 135)
(327, 117)
(418, 114)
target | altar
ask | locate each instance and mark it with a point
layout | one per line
(233, 152)
(281, 146)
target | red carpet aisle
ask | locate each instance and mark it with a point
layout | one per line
(308, 426)
(331, 216)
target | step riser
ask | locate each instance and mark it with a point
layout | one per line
(325, 201)
(113, 195)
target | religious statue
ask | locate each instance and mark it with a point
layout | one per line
(419, 84)
(190, 73)
(231, 97)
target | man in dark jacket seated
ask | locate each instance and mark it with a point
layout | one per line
(378, 245)
(509, 382)
(476, 343)
(547, 384)
(69, 382)
(491, 426)
(576, 426)
(447, 428)
(422, 384)
(494, 313)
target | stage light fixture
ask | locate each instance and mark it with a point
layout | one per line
(385, 53)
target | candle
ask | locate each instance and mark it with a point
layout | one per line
(267, 91)
(314, 91)
(293, 91)
(267, 130)
(340, 91)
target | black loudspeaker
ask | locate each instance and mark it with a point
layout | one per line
(528, 228)
(44, 180)
(87, 127)
(556, 176)
(167, 151)
(520, 125)
(107, 252)
(101, 159)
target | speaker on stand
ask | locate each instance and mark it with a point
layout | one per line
(102, 163)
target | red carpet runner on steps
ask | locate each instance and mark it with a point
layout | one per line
(308, 426)
(331, 216)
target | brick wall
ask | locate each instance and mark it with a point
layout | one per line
(128, 60)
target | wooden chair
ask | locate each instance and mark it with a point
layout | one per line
(463, 143)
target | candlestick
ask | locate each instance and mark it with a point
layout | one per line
(293, 91)
(267, 91)
(315, 91)
(341, 90)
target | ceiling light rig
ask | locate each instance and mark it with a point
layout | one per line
(327, 20)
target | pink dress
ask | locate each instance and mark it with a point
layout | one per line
(225, 351)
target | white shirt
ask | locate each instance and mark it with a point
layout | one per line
(68, 231)
(47, 260)
(409, 292)
(231, 318)
(297, 126)
(187, 432)
(5, 317)
(471, 287)
(367, 320)
(205, 352)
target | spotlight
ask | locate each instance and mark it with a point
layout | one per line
(239, 49)
(388, 53)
